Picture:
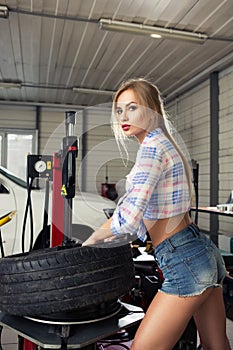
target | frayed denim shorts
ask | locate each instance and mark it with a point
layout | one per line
(190, 263)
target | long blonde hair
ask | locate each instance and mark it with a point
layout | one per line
(148, 95)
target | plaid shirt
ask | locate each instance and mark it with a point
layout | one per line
(156, 187)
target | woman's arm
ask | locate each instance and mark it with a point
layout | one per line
(128, 215)
(102, 233)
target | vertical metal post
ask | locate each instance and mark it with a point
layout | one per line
(84, 151)
(64, 184)
(57, 203)
(214, 153)
(37, 127)
(70, 151)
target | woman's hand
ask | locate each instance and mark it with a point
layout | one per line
(109, 239)
(104, 232)
(90, 241)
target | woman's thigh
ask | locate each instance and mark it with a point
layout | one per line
(210, 319)
(166, 320)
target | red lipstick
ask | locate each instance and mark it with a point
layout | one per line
(125, 127)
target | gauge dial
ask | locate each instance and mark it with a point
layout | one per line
(40, 166)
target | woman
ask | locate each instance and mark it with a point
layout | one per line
(157, 201)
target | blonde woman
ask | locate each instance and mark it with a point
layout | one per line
(157, 201)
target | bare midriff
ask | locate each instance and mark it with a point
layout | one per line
(162, 229)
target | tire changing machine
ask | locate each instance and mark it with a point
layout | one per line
(38, 334)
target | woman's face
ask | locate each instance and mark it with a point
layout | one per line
(131, 116)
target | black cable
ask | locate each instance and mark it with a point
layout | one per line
(31, 221)
(28, 206)
(1, 245)
(46, 209)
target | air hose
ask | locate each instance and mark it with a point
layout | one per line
(28, 207)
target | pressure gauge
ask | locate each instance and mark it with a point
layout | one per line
(40, 166)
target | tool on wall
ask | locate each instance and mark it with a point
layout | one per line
(108, 190)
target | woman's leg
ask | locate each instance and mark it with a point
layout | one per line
(210, 320)
(166, 320)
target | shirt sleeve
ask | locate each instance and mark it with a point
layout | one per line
(141, 183)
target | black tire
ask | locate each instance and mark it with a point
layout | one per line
(62, 279)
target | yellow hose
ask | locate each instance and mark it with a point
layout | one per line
(6, 218)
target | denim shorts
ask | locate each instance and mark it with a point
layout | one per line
(190, 263)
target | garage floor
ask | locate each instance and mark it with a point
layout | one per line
(9, 338)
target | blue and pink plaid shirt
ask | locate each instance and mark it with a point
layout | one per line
(156, 187)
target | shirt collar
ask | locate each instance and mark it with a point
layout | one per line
(150, 135)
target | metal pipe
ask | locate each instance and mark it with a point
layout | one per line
(68, 173)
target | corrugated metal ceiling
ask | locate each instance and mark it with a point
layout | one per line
(52, 46)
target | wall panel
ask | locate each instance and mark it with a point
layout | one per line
(17, 117)
(225, 144)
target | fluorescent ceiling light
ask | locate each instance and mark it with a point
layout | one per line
(93, 91)
(4, 12)
(10, 84)
(134, 28)
(156, 36)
